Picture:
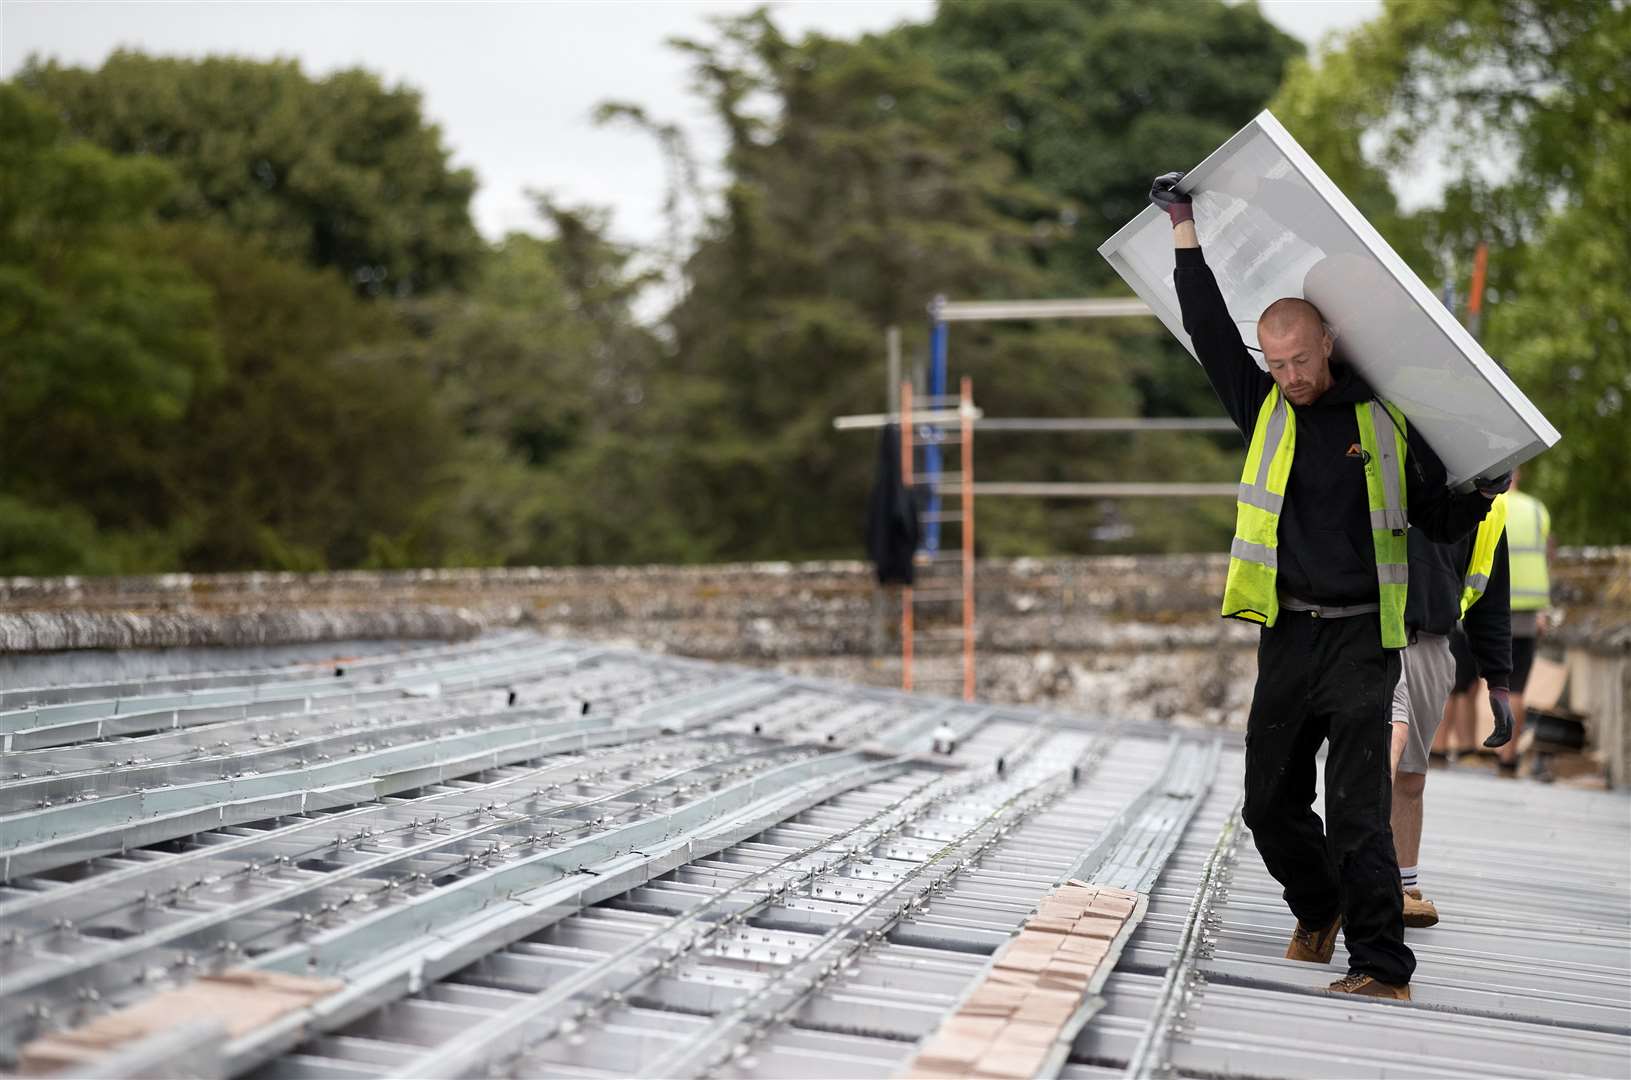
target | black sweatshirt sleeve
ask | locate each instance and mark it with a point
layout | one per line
(1239, 383)
(1489, 623)
(1440, 513)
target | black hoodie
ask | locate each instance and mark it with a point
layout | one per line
(1434, 604)
(891, 518)
(1326, 554)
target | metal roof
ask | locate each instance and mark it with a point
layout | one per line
(537, 858)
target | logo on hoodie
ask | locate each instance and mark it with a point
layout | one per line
(1357, 451)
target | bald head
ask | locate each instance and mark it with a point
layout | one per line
(1290, 315)
(1296, 349)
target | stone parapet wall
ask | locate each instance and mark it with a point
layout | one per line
(1128, 635)
(743, 611)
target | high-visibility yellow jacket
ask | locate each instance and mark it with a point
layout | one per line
(1249, 592)
(1483, 554)
(1528, 532)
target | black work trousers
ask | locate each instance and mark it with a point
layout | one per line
(1318, 680)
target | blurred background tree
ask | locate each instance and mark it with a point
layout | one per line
(247, 321)
(1524, 107)
(340, 171)
(864, 177)
(1087, 95)
(101, 335)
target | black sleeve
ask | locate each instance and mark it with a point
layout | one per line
(1239, 383)
(1432, 507)
(1489, 623)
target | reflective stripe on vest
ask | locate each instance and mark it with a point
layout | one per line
(1249, 592)
(1483, 554)
(1382, 435)
(1528, 528)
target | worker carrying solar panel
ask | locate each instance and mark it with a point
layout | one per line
(1332, 478)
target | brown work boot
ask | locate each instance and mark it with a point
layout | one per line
(1365, 986)
(1314, 946)
(1418, 913)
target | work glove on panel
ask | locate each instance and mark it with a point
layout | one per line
(1164, 195)
(1502, 708)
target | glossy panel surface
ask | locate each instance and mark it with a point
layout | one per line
(1272, 225)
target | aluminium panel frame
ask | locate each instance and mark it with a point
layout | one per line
(1532, 432)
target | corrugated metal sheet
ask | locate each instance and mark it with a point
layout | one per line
(537, 858)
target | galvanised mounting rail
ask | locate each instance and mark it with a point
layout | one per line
(582, 1006)
(722, 871)
(439, 878)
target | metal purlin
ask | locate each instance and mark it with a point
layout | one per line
(410, 944)
(213, 935)
(492, 1041)
(1178, 987)
(54, 835)
(378, 986)
(751, 1019)
(111, 698)
(106, 962)
(1184, 780)
(100, 803)
(665, 752)
(169, 735)
(406, 969)
(658, 1004)
(67, 738)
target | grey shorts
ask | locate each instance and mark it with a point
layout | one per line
(1425, 680)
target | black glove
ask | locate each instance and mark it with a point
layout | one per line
(1502, 708)
(1165, 195)
(1494, 485)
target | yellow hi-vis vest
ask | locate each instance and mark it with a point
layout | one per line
(1483, 554)
(1528, 527)
(1249, 592)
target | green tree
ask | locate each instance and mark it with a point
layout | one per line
(321, 448)
(1525, 105)
(101, 335)
(340, 171)
(860, 183)
(192, 393)
(867, 176)
(543, 368)
(1563, 334)
(1092, 96)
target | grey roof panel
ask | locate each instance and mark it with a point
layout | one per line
(747, 874)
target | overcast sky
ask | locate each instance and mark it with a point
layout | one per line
(511, 84)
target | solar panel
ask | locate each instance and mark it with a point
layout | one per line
(1272, 225)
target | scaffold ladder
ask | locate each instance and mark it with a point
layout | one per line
(933, 423)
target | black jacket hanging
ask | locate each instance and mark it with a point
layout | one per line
(891, 520)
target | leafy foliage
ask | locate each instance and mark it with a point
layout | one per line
(247, 321)
(339, 172)
(319, 447)
(868, 176)
(1563, 333)
(1526, 106)
(543, 369)
(1088, 98)
(101, 335)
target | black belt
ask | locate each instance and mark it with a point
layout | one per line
(1328, 611)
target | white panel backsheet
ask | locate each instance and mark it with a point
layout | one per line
(1272, 224)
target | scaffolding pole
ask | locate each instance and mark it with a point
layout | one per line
(966, 410)
(906, 590)
(891, 340)
(939, 345)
